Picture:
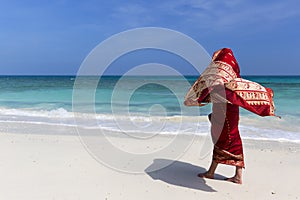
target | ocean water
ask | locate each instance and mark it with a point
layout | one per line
(137, 105)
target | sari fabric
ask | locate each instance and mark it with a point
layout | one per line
(228, 148)
(222, 85)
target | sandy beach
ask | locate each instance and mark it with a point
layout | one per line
(120, 100)
(37, 166)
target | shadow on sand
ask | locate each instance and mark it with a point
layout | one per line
(180, 174)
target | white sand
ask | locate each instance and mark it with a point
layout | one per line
(58, 167)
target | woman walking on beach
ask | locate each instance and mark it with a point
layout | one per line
(222, 85)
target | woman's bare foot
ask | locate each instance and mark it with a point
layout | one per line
(234, 180)
(211, 171)
(206, 175)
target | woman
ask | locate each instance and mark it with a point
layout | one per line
(222, 85)
(225, 133)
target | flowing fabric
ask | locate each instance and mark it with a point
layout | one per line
(222, 85)
(222, 79)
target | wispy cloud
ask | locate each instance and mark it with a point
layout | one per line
(214, 14)
(234, 12)
(132, 15)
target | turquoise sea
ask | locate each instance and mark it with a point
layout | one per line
(138, 102)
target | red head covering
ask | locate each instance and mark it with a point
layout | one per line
(226, 55)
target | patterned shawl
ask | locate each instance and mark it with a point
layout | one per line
(221, 83)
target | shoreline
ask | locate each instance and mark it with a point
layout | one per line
(63, 129)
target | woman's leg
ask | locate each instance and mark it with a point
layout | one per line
(211, 171)
(237, 177)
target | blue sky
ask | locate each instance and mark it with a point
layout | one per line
(54, 37)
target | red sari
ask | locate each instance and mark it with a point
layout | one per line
(228, 147)
(222, 85)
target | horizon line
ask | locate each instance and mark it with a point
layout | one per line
(2, 75)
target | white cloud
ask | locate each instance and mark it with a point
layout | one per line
(234, 12)
(133, 15)
(206, 14)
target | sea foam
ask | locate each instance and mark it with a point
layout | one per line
(136, 123)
